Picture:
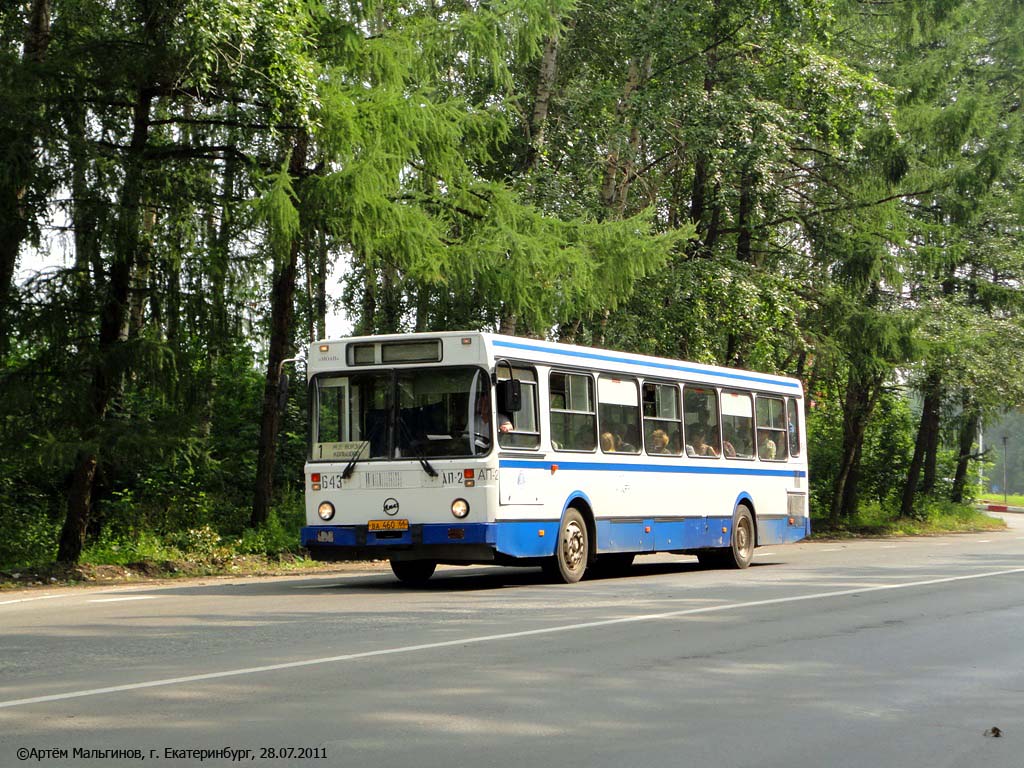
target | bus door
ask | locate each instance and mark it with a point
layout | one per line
(522, 477)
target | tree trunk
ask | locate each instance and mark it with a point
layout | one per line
(423, 306)
(72, 533)
(141, 289)
(618, 169)
(508, 321)
(109, 368)
(744, 251)
(931, 444)
(14, 213)
(218, 327)
(861, 395)
(698, 194)
(320, 299)
(367, 321)
(390, 310)
(310, 301)
(541, 103)
(851, 488)
(968, 434)
(927, 439)
(282, 311)
(707, 231)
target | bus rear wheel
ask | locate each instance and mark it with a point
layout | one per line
(573, 550)
(413, 572)
(741, 544)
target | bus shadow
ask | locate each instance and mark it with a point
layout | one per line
(469, 579)
(483, 579)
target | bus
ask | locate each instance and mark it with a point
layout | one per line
(474, 448)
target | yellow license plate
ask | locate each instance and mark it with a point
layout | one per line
(388, 525)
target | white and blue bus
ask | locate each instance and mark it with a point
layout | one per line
(470, 448)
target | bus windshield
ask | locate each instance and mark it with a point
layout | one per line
(399, 414)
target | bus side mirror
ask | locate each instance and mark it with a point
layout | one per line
(510, 396)
(282, 392)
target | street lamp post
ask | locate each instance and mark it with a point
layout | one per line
(1004, 469)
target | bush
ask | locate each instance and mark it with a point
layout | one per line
(29, 528)
(280, 533)
(203, 541)
(111, 548)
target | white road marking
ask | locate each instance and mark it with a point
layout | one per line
(30, 599)
(492, 638)
(123, 599)
(983, 541)
(833, 549)
(763, 553)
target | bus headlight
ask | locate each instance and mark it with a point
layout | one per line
(325, 510)
(460, 508)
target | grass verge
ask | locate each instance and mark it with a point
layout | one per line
(56, 574)
(933, 518)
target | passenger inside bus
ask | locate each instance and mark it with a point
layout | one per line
(699, 446)
(629, 440)
(482, 421)
(659, 442)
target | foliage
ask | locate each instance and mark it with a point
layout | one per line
(823, 188)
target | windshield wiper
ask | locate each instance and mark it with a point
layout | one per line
(346, 473)
(416, 454)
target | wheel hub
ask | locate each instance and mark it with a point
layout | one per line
(572, 546)
(743, 538)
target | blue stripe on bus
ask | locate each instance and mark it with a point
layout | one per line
(663, 468)
(538, 538)
(662, 366)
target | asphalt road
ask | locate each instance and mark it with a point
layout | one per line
(868, 653)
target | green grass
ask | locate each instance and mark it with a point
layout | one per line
(1013, 499)
(935, 517)
(196, 551)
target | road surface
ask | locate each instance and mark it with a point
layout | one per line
(902, 652)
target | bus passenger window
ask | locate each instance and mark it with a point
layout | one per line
(573, 417)
(700, 414)
(662, 419)
(619, 412)
(737, 425)
(794, 427)
(771, 428)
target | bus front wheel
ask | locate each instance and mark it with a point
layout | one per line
(413, 572)
(573, 551)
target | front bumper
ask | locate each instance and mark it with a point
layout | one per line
(424, 534)
(450, 542)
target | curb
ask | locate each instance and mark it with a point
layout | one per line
(1001, 508)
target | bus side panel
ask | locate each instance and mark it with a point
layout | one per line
(527, 538)
(774, 526)
(625, 535)
(778, 530)
(690, 533)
